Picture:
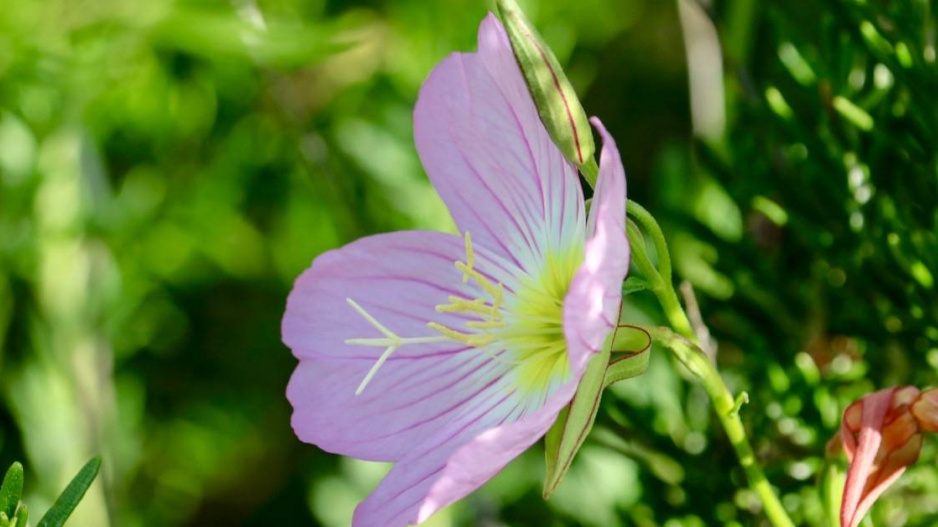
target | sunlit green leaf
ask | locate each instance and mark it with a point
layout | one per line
(12, 489)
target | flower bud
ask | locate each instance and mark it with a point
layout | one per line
(882, 435)
(556, 102)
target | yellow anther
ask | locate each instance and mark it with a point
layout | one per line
(480, 341)
(470, 258)
(497, 303)
(451, 333)
(474, 340)
(462, 305)
(488, 324)
(483, 282)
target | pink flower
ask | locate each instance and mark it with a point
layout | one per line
(452, 355)
(882, 435)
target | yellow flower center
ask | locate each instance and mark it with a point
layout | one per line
(524, 329)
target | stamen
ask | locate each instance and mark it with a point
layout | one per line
(462, 305)
(497, 303)
(470, 258)
(471, 340)
(532, 335)
(398, 341)
(488, 324)
(483, 282)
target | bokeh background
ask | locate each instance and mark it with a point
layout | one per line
(167, 168)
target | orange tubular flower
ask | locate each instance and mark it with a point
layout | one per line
(882, 435)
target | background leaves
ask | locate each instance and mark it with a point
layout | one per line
(167, 168)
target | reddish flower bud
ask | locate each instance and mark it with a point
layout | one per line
(925, 410)
(882, 435)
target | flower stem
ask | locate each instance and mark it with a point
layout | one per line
(590, 171)
(648, 223)
(686, 347)
(696, 361)
(673, 310)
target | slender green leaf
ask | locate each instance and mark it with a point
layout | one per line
(72, 495)
(11, 490)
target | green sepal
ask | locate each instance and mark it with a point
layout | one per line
(565, 437)
(11, 490)
(557, 104)
(627, 367)
(630, 354)
(634, 284)
(574, 423)
(72, 495)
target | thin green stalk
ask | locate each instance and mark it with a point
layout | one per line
(694, 359)
(648, 223)
(674, 311)
(687, 350)
(659, 279)
(590, 171)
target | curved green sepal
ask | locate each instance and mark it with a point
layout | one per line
(65, 504)
(625, 365)
(11, 490)
(634, 284)
(574, 423)
(556, 102)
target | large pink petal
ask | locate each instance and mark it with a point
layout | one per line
(457, 461)
(489, 156)
(592, 304)
(488, 453)
(439, 473)
(399, 279)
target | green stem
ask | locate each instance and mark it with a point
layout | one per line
(590, 171)
(648, 223)
(686, 348)
(673, 310)
(692, 357)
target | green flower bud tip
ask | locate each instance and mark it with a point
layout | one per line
(557, 103)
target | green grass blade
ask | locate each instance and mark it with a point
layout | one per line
(73, 493)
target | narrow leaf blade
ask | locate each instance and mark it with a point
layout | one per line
(71, 496)
(12, 489)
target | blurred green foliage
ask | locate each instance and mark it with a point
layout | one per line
(167, 168)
